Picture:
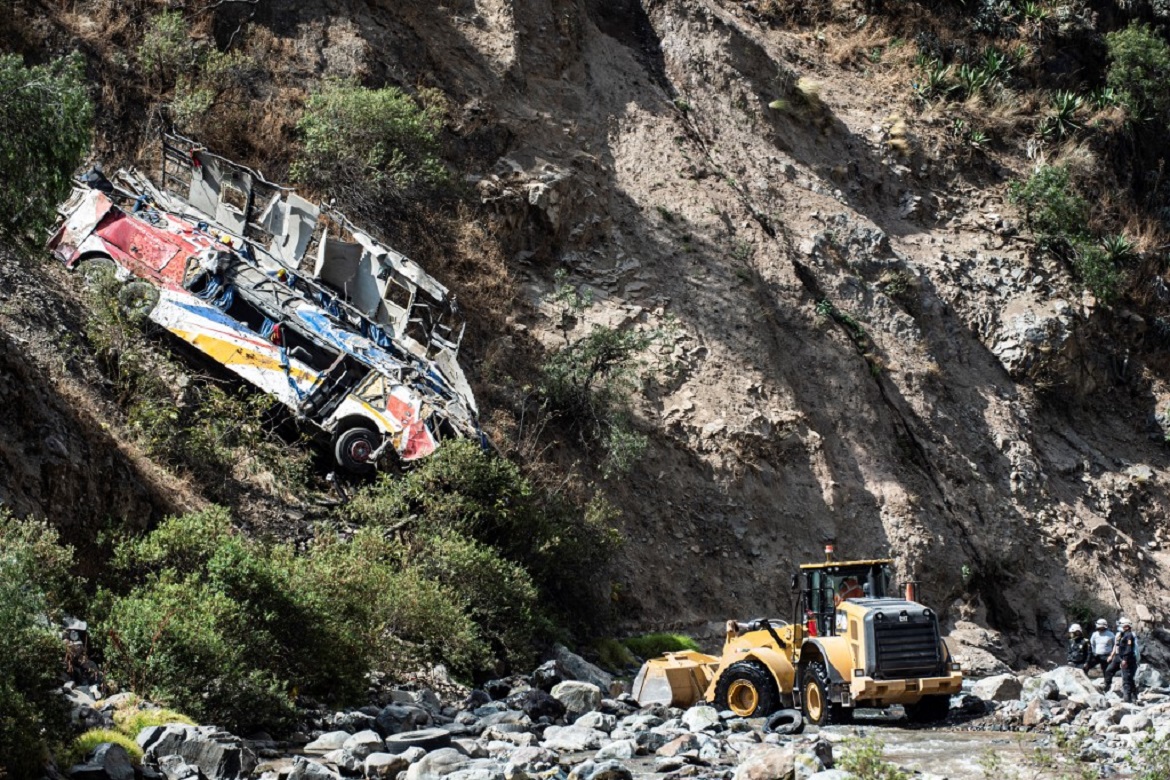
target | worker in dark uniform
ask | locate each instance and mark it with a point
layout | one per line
(1125, 653)
(1078, 646)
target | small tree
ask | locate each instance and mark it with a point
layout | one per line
(45, 120)
(1053, 210)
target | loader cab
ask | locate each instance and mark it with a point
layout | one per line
(823, 586)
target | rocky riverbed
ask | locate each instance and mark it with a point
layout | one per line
(550, 726)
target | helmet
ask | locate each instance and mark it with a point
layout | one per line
(1125, 623)
(1102, 623)
(1075, 628)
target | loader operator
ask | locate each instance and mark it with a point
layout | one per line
(1078, 646)
(848, 588)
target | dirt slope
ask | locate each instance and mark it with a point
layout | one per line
(867, 347)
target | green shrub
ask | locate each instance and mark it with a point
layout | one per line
(44, 136)
(654, 645)
(500, 596)
(34, 585)
(1139, 71)
(863, 757)
(564, 548)
(363, 145)
(1098, 271)
(166, 49)
(1053, 210)
(87, 742)
(588, 382)
(227, 628)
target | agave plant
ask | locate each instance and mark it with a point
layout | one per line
(1062, 121)
(1118, 249)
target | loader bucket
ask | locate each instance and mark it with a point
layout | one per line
(675, 679)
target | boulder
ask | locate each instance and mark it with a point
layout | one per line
(1135, 722)
(547, 675)
(386, 766)
(1001, 687)
(621, 750)
(768, 763)
(363, 744)
(108, 761)
(832, 774)
(498, 689)
(176, 768)
(701, 718)
(578, 697)
(1074, 684)
(532, 759)
(597, 720)
(649, 741)
(1036, 713)
(396, 718)
(1147, 676)
(573, 739)
(218, 754)
(436, 764)
(344, 760)
(327, 742)
(537, 704)
(574, 667)
(605, 770)
(686, 743)
(640, 722)
(305, 769)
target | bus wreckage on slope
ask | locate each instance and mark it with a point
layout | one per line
(352, 336)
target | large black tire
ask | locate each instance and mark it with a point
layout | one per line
(929, 709)
(427, 739)
(818, 709)
(785, 722)
(352, 449)
(138, 299)
(747, 689)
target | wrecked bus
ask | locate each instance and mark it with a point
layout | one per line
(353, 337)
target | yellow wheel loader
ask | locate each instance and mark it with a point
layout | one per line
(853, 642)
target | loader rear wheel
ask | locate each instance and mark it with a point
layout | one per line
(819, 709)
(747, 689)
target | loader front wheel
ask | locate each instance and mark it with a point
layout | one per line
(747, 689)
(819, 709)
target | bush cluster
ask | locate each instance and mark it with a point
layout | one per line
(1139, 72)
(364, 146)
(44, 136)
(501, 533)
(1058, 216)
(230, 629)
(34, 587)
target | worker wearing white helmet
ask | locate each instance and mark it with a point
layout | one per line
(1101, 643)
(1078, 646)
(1125, 656)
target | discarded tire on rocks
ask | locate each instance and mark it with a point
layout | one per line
(784, 722)
(427, 739)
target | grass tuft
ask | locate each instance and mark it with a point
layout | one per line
(653, 645)
(86, 743)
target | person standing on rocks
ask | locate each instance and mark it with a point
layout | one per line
(1101, 643)
(1125, 651)
(1078, 646)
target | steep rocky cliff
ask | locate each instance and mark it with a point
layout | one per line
(865, 344)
